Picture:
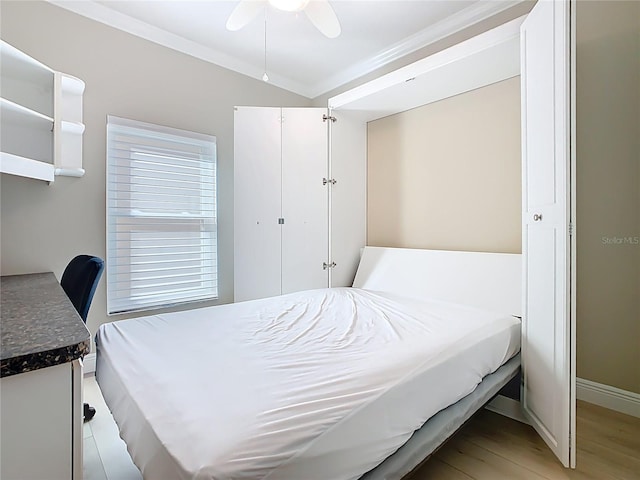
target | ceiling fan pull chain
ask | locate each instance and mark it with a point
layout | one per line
(265, 77)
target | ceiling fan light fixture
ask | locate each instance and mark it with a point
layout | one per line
(289, 5)
(319, 12)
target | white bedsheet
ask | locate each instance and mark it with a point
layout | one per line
(322, 384)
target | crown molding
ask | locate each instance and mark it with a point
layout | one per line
(100, 13)
(468, 17)
(471, 15)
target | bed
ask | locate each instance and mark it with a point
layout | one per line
(342, 383)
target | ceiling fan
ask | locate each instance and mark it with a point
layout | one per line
(319, 12)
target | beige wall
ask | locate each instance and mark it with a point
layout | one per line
(447, 175)
(608, 193)
(402, 201)
(44, 226)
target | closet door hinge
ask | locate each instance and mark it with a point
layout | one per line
(281, 221)
(326, 265)
(332, 181)
(570, 229)
(326, 117)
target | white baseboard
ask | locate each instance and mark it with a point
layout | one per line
(89, 364)
(609, 397)
(508, 407)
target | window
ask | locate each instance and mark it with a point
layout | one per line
(161, 216)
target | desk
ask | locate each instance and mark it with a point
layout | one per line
(43, 340)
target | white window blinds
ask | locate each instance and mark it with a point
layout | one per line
(161, 216)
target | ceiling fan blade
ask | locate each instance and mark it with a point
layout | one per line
(321, 14)
(244, 12)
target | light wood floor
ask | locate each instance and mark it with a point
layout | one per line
(489, 447)
(494, 447)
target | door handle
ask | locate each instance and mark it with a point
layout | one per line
(537, 217)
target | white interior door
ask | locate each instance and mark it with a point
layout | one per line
(548, 353)
(257, 202)
(305, 200)
(348, 210)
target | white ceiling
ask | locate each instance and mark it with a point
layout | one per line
(299, 57)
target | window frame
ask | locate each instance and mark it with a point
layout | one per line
(138, 217)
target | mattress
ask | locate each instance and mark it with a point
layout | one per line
(311, 385)
(442, 426)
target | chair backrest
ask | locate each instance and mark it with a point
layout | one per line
(79, 281)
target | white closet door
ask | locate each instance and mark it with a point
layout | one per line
(257, 186)
(548, 355)
(348, 166)
(305, 200)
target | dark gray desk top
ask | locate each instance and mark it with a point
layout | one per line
(39, 327)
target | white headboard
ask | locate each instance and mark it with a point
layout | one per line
(486, 280)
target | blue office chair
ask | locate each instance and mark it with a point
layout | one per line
(79, 281)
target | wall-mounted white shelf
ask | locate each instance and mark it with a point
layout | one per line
(21, 115)
(26, 167)
(41, 118)
(26, 81)
(25, 134)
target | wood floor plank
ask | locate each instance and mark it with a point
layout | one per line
(493, 447)
(610, 429)
(479, 462)
(436, 469)
(608, 442)
(518, 443)
(606, 463)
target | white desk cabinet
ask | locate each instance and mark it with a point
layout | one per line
(43, 340)
(39, 412)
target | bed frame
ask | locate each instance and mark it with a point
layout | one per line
(486, 280)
